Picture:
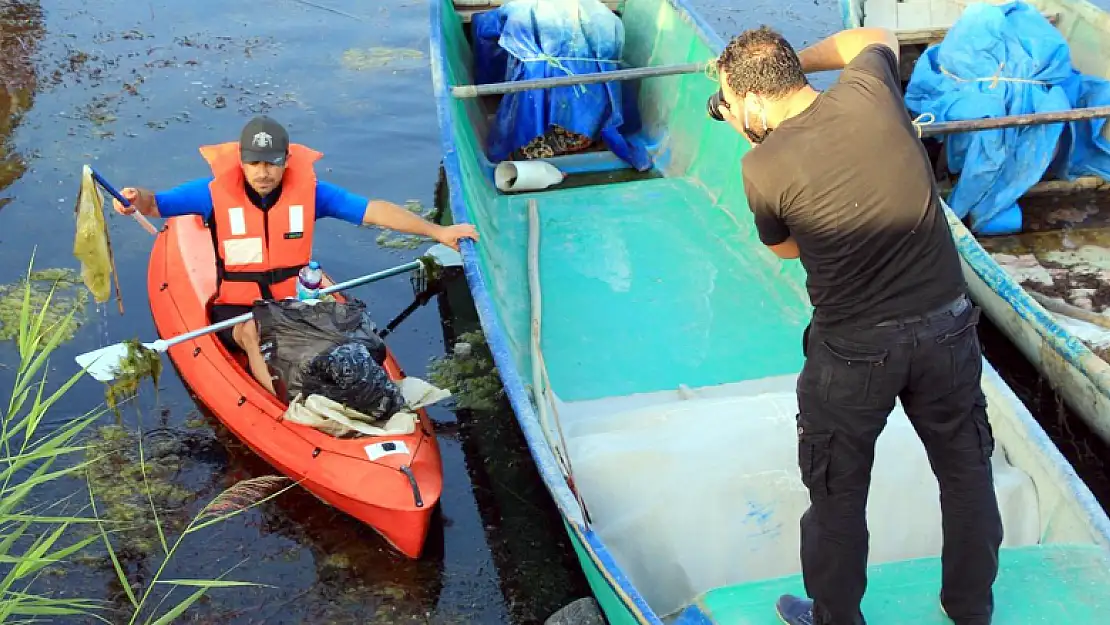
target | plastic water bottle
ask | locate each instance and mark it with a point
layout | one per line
(309, 280)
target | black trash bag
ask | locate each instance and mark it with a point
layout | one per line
(293, 332)
(349, 375)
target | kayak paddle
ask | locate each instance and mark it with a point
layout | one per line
(103, 364)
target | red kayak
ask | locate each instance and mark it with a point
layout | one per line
(391, 483)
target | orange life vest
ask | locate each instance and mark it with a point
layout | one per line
(259, 253)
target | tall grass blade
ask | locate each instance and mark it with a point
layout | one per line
(35, 537)
(150, 497)
(23, 338)
(123, 581)
(180, 608)
(208, 583)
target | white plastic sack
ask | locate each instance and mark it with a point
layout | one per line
(332, 417)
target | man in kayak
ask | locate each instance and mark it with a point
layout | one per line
(841, 180)
(261, 203)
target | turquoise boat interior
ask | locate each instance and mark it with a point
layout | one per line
(657, 342)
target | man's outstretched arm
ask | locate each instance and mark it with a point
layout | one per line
(333, 201)
(190, 198)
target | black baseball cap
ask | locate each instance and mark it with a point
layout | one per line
(263, 139)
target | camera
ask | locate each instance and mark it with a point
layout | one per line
(714, 103)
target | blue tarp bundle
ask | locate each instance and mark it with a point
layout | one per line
(999, 60)
(529, 39)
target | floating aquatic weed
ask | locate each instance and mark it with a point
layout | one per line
(470, 374)
(131, 484)
(137, 365)
(53, 293)
(379, 57)
(395, 240)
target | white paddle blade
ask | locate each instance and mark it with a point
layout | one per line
(103, 364)
(445, 256)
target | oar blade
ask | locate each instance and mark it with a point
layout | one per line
(444, 256)
(103, 364)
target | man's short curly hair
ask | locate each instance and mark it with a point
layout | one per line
(762, 62)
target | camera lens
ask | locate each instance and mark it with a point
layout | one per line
(714, 103)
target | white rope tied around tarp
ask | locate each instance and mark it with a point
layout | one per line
(557, 62)
(996, 78)
(918, 123)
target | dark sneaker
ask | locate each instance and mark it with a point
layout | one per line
(794, 610)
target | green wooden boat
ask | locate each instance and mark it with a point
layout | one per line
(649, 345)
(1047, 287)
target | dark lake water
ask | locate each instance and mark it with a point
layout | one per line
(133, 88)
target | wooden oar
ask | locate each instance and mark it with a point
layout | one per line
(103, 364)
(1011, 121)
(499, 88)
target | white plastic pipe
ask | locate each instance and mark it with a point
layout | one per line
(526, 175)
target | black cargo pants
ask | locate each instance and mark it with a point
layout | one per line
(846, 390)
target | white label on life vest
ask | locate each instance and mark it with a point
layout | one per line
(242, 251)
(296, 218)
(238, 224)
(386, 448)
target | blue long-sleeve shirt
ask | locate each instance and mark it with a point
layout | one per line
(195, 198)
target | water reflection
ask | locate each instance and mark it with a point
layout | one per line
(21, 29)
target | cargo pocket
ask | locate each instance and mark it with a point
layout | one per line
(851, 371)
(983, 428)
(814, 453)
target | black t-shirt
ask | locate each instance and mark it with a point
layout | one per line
(849, 179)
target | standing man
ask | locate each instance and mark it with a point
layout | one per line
(261, 204)
(840, 180)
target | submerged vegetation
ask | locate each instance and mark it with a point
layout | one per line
(470, 373)
(41, 534)
(242, 496)
(381, 57)
(398, 240)
(56, 293)
(132, 481)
